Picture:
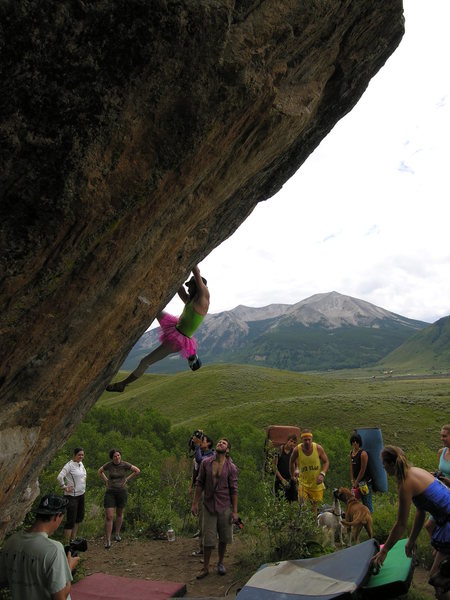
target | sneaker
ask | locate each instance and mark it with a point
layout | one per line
(117, 538)
(198, 552)
(221, 569)
(107, 545)
(194, 362)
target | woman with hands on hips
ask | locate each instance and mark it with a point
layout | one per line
(116, 494)
(72, 479)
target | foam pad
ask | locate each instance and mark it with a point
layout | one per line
(113, 587)
(329, 577)
(394, 577)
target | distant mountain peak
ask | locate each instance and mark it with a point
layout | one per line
(325, 331)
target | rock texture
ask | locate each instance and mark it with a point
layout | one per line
(136, 136)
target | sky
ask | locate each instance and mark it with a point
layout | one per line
(367, 215)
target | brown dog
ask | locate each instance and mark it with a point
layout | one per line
(357, 516)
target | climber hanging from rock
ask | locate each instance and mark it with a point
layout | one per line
(176, 333)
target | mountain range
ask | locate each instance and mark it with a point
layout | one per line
(327, 331)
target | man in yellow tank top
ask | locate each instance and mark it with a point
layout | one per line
(312, 465)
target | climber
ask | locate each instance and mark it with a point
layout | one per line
(176, 333)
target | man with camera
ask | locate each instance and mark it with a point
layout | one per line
(218, 480)
(203, 447)
(34, 566)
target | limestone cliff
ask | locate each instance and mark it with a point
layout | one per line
(136, 136)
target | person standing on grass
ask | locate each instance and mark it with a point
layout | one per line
(218, 480)
(443, 472)
(359, 471)
(313, 465)
(176, 333)
(116, 494)
(72, 479)
(283, 482)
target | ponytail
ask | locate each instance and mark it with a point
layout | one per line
(393, 455)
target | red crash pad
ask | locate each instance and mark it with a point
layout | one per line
(113, 587)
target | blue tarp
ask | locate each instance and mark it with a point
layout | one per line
(332, 576)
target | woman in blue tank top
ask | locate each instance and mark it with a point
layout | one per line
(443, 472)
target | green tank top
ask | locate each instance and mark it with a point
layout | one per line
(189, 320)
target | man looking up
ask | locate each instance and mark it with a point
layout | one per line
(311, 476)
(34, 566)
(203, 449)
(218, 480)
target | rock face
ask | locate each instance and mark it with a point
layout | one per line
(136, 136)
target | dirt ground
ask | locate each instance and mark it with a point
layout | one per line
(164, 561)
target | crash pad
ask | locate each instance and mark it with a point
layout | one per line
(372, 443)
(112, 587)
(394, 577)
(328, 577)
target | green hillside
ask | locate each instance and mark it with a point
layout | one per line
(410, 412)
(426, 351)
(299, 348)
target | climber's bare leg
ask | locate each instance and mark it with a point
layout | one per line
(155, 356)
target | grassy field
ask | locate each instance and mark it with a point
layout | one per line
(410, 412)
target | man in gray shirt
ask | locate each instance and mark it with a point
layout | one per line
(34, 566)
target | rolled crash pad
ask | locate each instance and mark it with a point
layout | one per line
(372, 443)
(278, 434)
(330, 577)
(100, 586)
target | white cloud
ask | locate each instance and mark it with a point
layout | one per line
(366, 215)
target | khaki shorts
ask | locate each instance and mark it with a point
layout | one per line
(305, 493)
(217, 524)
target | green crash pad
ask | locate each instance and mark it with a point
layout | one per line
(394, 577)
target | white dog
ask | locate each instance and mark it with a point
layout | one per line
(330, 522)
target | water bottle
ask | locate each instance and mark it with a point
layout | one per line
(170, 533)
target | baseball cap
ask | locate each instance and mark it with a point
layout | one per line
(51, 504)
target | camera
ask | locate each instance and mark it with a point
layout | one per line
(75, 546)
(198, 433)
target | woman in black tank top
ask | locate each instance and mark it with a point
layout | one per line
(359, 470)
(283, 480)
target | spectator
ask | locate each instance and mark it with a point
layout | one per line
(283, 481)
(72, 479)
(443, 472)
(218, 480)
(204, 448)
(311, 474)
(360, 472)
(34, 566)
(116, 494)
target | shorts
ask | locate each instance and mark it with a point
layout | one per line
(116, 498)
(217, 524)
(305, 493)
(75, 511)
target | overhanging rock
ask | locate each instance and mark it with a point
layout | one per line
(136, 136)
